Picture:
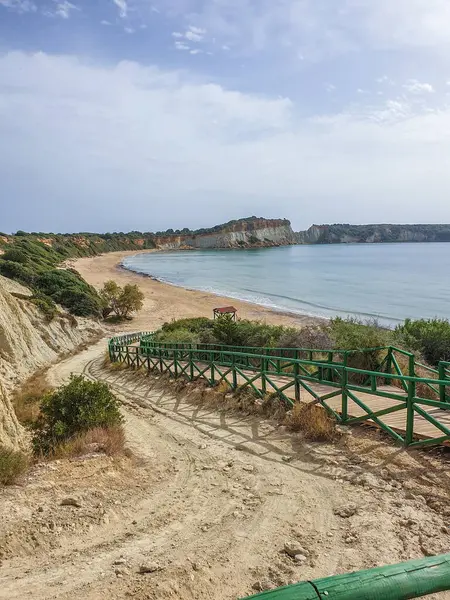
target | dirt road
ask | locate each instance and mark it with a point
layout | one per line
(208, 504)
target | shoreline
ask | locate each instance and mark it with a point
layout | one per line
(166, 302)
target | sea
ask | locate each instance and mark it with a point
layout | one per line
(387, 282)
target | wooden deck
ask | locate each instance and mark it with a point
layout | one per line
(423, 429)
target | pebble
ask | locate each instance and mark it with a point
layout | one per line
(151, 567)
(70, 501)
(300, 558)
(293, 549)
(346, 511)
(249, 468)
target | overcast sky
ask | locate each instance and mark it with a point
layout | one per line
(148, 114)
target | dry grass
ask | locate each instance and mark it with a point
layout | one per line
(27, 398)
(12, 465)
(106, 440)
(313, 421)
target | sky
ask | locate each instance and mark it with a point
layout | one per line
(120, 115)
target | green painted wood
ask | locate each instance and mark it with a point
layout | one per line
(330, 368)
(412, 579)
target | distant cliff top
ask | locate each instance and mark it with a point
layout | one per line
(246, 224)
(340, 233)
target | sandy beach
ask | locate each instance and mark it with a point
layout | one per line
(164, 302)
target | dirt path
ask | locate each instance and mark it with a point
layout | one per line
(211, 500)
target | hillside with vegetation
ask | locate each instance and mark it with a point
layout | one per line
(371, 234)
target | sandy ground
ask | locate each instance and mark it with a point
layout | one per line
(165, 302)
(208, 503)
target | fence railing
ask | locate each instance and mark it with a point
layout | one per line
(333, 379)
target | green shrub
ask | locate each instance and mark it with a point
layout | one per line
(352, 334)
(12, 465)
(15, 255)
(121, 301)
(77, 407)
(17, 271)
(179, 336)
(45, 305)
(195, 325)
(66, 287)
(430, 337)
(316, 338)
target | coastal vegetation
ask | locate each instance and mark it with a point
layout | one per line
(377, 233)
(121, 301)
(73, 410)
(13, 464)
(428, 339)
(36, 264)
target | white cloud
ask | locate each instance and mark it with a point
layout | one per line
(198, 30)
(193, 37)
(320, 28)
(104, 22)
(172, 148)
(181, 46)
(63, 9)
(20, 6)
(416, 87)
(195, 51)
(129, 29)
(123, 8)
(329, 87)
(192, 34)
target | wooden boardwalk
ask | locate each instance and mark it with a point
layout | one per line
(423, 429)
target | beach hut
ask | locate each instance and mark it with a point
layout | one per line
(225, 310)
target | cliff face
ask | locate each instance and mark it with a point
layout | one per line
(241, 234)
(27, 343)
(373, 234)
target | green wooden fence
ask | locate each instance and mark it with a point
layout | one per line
(329, 378)
(413, 579)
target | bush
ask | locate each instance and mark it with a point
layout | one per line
(352, 334)
(15, 255)
(45, 305)
(12, 465)
(196, 325)
(179, 336)
(17, 271)
(311, 338)
(429, 337)
(121, 301)
(313, 421)
(109, 440)
(70, 290)
(72, 409)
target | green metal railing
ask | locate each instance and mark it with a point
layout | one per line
(323, 375)
(413, 579)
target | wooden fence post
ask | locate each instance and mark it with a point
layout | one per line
(344, 389)
(296, 375)
(442, 388)
(410, 403)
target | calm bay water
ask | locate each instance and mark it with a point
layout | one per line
(386, 281)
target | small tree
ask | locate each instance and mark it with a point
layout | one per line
(74, 408)
(121, 301)
(226, 330)
(110, 294)
(130, 300)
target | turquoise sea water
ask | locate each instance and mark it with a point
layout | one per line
(386, 281)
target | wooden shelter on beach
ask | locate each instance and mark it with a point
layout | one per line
(225, 310)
